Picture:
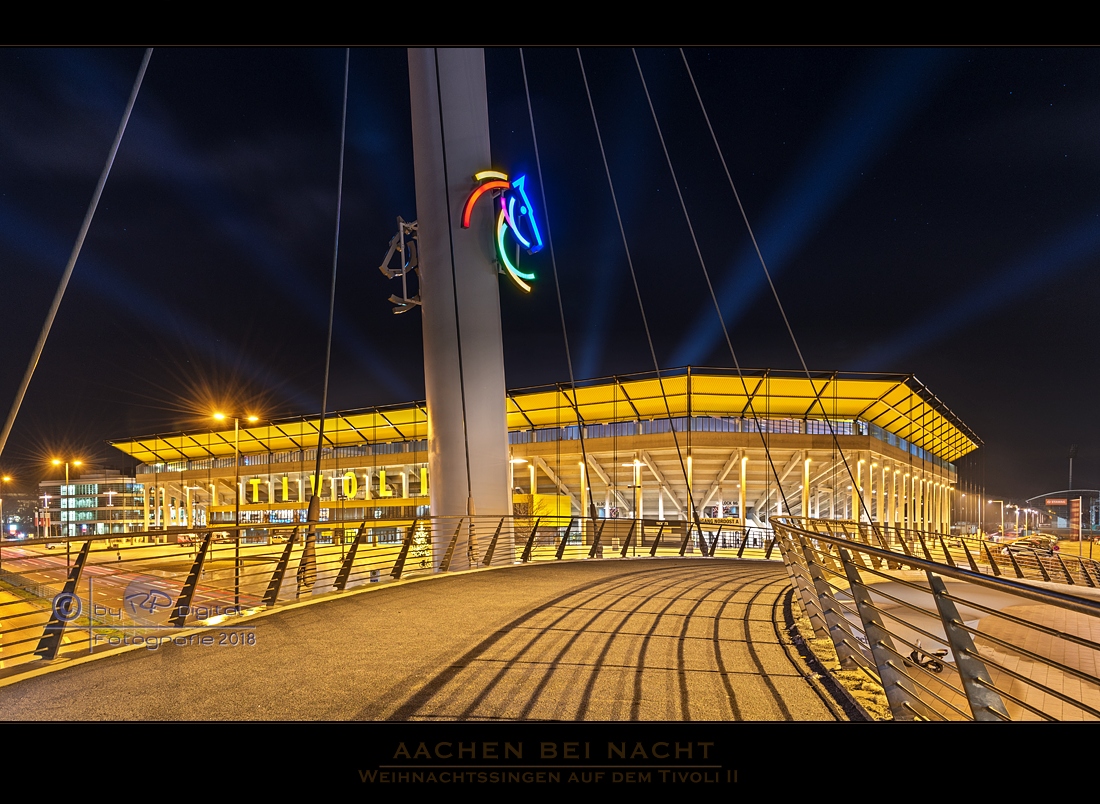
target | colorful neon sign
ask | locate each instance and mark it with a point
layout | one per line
(509, 218)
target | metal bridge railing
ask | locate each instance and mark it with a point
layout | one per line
(71, 596)
(989, 558)
(949, 639)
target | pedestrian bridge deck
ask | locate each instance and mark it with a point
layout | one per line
(656, 639)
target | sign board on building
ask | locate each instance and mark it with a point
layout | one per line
(1055, 501)
(1075, 519)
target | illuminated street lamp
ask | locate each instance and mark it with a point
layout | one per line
(236, 501)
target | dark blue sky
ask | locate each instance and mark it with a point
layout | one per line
(934, 212)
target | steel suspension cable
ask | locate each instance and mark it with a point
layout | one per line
(315, 500)
(68, 272)
(771, 284)
(710, 287)
(641, 305)
(557, 289)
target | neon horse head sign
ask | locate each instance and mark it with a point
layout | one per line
(520, 222)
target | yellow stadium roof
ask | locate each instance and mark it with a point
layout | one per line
(899, 404)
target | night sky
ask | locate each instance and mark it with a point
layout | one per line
(933, 212)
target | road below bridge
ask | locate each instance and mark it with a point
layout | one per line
(614, 640)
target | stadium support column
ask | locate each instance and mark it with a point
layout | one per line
(906, 514)
(463, 355)
(741, 492)
(892, 501)
(882, 495)
(806, 488)
(918, 491)
(857, 492)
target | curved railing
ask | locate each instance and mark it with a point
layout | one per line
(948, 640)
(987, 557)
(67, 597)
(1017, 638)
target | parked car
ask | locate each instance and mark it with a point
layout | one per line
(1031, 546)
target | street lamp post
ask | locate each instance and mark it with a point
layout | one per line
(3, 528)
(61, 503)
(3, 480)
(236, 504)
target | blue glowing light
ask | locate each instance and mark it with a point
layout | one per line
(508, 220)
(1066, 251)
(894, 87)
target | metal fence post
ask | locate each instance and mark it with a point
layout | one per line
(525, 556)
(1015, 563)
(839, 630)
(923, 546)
(992, 563)
(66, 608)
(1065, 569)
(970, 559)
(686, 539)
(596, 539)
(345, 567)
(445, 564)
(744, 542)
(904, 702)
(493, 543)
(403, 555)
(1085, 571)
(797, 574)
(183, 603)
(985, 704)
(629, 536)
(902, 541)
(946, 552)
(768, 552)
(657, 540)
(276, 582)
(717, 536)
(565, 537)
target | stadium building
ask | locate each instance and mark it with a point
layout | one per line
(874, 447)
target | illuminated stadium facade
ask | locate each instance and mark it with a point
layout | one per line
(846, 446)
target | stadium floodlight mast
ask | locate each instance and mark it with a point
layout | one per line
(236, 500)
